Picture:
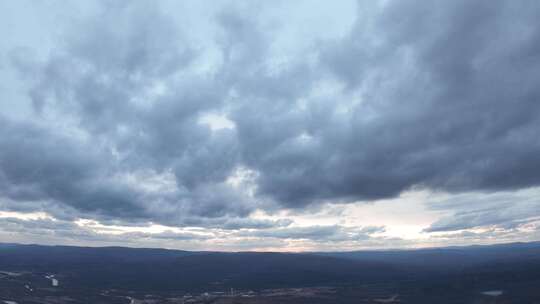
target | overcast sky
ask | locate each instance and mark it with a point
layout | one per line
(269, 125)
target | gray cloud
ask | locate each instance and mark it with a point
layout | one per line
(37, 165)
(448, 101)
(68, 230)
(44, 171)
(438, 95)
(501, 210)
(318, 233)
(44, 230)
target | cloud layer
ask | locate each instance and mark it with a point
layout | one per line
(134, 121)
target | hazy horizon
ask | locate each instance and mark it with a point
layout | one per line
(367, 250)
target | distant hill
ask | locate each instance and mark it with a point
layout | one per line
(448, 258)
(161, 269)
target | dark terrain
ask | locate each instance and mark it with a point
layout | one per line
(509, 273)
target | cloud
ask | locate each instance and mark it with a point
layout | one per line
(501, 210)
(445, 101)
(440, 96)
(43, 230)
(70, 231)
(71, 178)
(317, 233)
(37, 165)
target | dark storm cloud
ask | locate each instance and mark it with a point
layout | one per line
(439, 95)
(45, 171)
(37, 165)
(104, 80)
(448, 99)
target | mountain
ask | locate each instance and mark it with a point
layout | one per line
(160, 269)
(166, 270)
(448, 258)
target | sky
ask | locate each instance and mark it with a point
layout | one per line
(270, 125)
